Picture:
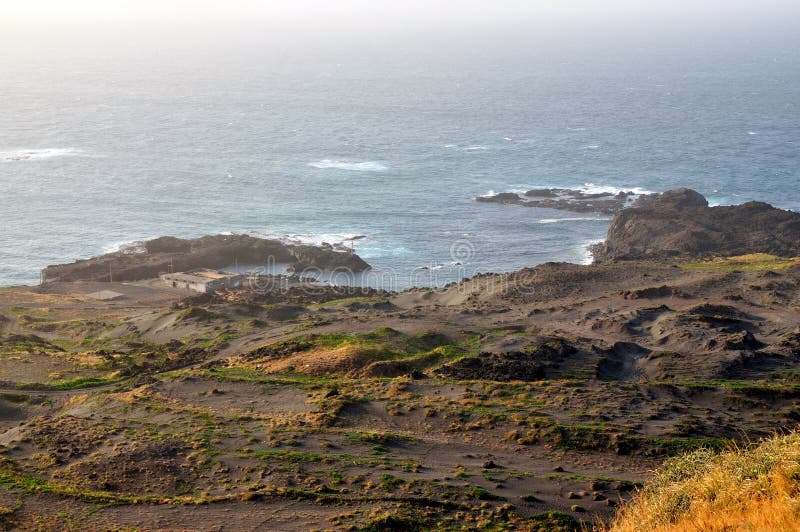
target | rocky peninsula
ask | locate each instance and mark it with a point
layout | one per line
(167, 254)
(680, 223)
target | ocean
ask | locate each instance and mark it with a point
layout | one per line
(98, 151)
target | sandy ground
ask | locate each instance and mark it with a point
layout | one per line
(489, 403)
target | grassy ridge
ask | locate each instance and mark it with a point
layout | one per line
(752, 262)
(756, 488)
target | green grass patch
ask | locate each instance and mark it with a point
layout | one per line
(200, 314)
(752, 262)
(16, 398)
(294, 457)
(69, 384)
(482, 494)
(383, 343)
(554, 522)
(381, 438)
(343, 301)
(764, 389)
(390, 482)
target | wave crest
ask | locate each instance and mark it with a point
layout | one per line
(574, 219)
(36, 154)
(318, 239)
(364, 166)
(591, 188)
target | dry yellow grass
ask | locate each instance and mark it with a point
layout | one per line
(756, 489)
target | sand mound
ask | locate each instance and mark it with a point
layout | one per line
(344, 360)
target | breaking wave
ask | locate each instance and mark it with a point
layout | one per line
(575, 219)
(364, 166)
(468, 148)
(591, 188)
(309, 239)
(37, 154)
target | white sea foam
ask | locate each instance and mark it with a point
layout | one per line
(337, 164)
(37, 154)
(586, 188)
(590, 147)
(468, 148)
(125, 246)
(586, 250)
(372, 251)
(591, 188)
(574, 219)
(316, 239)
(576, 128)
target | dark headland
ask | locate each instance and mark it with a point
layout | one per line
(169, 254)
(534, 400)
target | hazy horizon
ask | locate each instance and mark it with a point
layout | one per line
(311, 19)
(45, 31)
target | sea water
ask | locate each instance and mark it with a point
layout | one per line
(99, 150)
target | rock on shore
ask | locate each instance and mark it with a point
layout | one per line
(680, 223)
(565, 199)
(215, 251)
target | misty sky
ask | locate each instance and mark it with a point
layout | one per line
(21, 13)
(30, 28)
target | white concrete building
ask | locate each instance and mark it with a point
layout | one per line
(202, 280)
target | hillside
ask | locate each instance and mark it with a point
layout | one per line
(496, 401)
(753, 488)
(534, 400)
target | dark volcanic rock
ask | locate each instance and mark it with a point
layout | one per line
(529, 364)
(565, 199)
(679, 223)
(324, 258)
(167, 244)
(166, 254)
(495, 367)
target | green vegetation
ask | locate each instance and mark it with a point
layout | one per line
(753, 388)
(395, 522)
(390, 482)
(199, 314)
(70, 384)
(752, 262)
(482, 494)
(294, 456)
(554, 522)
(384, 343)
(31, 484)
(17, 398)
(28, 343)
(383, 438)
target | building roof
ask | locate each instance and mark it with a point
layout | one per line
(200, 276)
(105, 295)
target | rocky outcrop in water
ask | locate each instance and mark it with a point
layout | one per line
(168, 253)
(565, 200)
(680, 223)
